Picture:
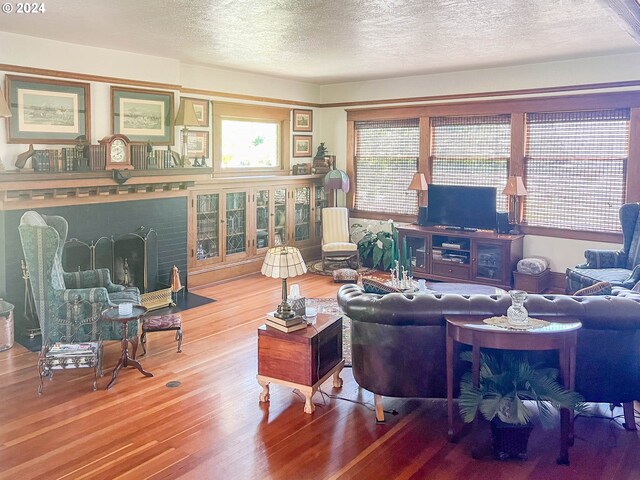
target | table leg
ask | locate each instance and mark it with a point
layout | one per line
(565, 372)
(309, 407)
(337, 381)
(115, 372)
(134, 363)
(450, 384)
(264, 395)
(475, 378)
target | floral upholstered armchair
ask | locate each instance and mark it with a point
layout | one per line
(43, 238)
(621, 268)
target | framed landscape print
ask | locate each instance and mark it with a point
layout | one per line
(47, 110)
(302, 120)
(198, 143)
(142, 115)
(302, 145)
(201, 108)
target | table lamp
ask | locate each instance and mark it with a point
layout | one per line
(5, 112)
(283, 262)
(336, 180)
(515, 189)
(419, 184)
(186, 117)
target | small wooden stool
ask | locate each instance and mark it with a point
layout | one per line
(162, 323)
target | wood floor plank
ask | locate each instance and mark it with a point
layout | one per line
(212, 426)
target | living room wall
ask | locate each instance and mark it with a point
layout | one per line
(616, 68)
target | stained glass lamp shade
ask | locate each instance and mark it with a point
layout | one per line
(283, 262)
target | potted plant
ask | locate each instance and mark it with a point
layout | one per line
(377, 249)
(506, 382)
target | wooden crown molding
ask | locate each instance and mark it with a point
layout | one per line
(254, 98)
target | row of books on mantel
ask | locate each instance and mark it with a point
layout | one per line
(285, 325)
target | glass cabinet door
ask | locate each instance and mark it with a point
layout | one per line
(319, 204)
(207, 228)
(302, 214)
(417, 252)
(489, 260)
(262, 219)
(236, 219)
(280, 216)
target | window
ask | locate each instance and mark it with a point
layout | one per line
(575, 169)
(472, 150)
(386, 158)
(249, 144)
(250, 138)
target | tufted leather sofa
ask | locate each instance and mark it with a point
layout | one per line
(398, 341)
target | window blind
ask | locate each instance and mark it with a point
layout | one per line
(386, 158)
(576, 169)
(472, 150)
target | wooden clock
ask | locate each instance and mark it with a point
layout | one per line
(118, 152)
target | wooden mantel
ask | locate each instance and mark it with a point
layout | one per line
(19, 190)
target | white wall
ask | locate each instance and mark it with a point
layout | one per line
(561, 252)
(48, 54)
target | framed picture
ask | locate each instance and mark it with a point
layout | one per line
(47, 111)
(142, 115)
(303, 120)
(198, 144)
(302, 145)
(201, 108)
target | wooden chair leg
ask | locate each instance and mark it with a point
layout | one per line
(377, 400)
(179, 339)
(629, 416)
(143, 342)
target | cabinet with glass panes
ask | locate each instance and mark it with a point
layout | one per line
(231, 226)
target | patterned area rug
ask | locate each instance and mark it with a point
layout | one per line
(315, 266)
(330, 305)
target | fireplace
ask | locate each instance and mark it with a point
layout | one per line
(132, 258)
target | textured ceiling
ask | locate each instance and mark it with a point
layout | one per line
(336, 40)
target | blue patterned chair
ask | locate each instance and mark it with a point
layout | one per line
(43, 238)
(621, 268)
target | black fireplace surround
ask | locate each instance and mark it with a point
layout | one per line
(88, 223)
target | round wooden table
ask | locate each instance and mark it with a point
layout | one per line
(111, 314)
(559, 335)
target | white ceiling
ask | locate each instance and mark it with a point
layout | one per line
(334, 41)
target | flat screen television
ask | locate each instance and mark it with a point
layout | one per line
(462, 206)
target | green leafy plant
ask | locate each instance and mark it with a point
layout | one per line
(379, 249)
(506, 382)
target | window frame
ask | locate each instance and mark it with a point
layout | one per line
(258, 113)
(516, 108)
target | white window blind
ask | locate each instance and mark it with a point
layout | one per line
(472, 150)
(386, 158)
(576, 169)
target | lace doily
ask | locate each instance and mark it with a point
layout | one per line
(503, 322)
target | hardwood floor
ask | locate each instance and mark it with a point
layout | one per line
(213, 427)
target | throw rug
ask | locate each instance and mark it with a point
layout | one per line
(183, 302)
(503, 322)
(315, 266)
(330, 305)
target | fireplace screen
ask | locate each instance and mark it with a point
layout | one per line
(131, 258)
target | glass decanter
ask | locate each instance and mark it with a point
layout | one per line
(516, 313)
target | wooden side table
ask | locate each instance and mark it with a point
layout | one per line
(303, 359)
(561, 336)
(111, 315)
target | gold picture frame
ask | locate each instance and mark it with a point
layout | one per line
(302, 120)
(302, 146)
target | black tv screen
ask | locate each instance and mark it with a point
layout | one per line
(462, 206)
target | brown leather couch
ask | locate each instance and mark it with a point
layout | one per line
(398, 341)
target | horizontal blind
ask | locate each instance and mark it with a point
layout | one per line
(386, 158)
(472, 150)
(576, 169)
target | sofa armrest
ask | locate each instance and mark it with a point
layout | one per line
(604, 259)
(633, 278)
(92, 279)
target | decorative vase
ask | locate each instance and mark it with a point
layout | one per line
(509, 440)
(516, 313)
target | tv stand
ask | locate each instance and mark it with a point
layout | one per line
(462, 229)
(462, 255)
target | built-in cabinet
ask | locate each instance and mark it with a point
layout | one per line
(231, 226)
(461, 256)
